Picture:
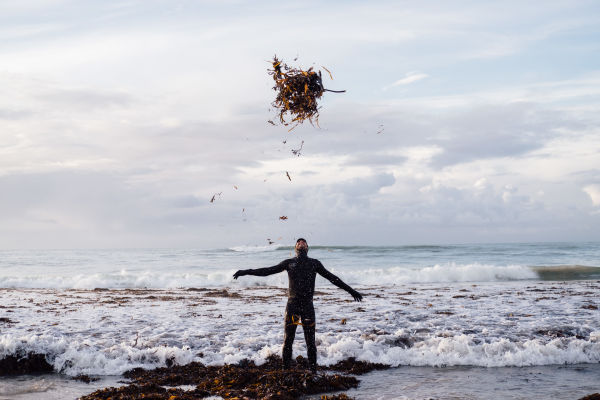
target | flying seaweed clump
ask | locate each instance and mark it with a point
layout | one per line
(298, 93)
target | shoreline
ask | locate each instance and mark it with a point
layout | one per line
(571, 382)
(430, 332)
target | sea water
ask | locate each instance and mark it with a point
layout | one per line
(441, 315)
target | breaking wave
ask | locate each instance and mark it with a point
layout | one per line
(75, 357)
(446, 273)
(566, 272)
(442, 273)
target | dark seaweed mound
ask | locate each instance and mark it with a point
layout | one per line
(244, 380)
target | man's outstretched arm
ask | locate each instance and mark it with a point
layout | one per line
(261, 271)
(338, 282)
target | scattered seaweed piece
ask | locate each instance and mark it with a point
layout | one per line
(297, 152)
(222, 293)
(85, 378)
(212, 200)
(298, 92)
(353, 366)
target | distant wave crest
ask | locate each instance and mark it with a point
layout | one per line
(441, 273)
(256, 249)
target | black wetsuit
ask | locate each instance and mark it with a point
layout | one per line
(302, 272)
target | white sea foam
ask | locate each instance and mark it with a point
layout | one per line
(451, 272)
(464, 350)
(74, 357)
(107, 332)
(224, 277)
(121, 279)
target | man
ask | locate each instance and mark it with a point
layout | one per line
(302, 272)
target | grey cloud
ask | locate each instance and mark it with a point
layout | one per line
(100, 209)
(361, 187)
(351, 196)
(86, 98)
(375, 159)
(495, 131)
(466, 134)
(14, 114)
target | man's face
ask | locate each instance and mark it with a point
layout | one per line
(302, 245)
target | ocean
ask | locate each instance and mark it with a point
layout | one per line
(476, 321)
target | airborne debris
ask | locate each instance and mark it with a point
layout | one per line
(212, 200)
(297, 93)
(297, 152)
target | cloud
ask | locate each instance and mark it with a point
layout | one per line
(375, 159)
(86, 98)
(410, 77)
(119, 125)
(7, 114)
(593, 191)
(489, 131)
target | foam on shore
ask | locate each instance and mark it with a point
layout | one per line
(107, 332)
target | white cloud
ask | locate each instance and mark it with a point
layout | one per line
(593, 191)
(410, 77)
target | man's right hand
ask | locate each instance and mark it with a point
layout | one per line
(239, 273)
(357, 296)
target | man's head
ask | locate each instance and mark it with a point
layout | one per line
(301, 247)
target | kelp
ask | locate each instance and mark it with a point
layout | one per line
(298, 93)
(244, 380)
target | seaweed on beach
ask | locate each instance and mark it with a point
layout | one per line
(30, 363)
(593, 396)
(243, 380)
(298, 93)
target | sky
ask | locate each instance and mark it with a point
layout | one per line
(462, 122)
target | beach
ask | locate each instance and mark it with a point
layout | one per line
(507, 337)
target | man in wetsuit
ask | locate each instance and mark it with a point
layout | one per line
(302, 272)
